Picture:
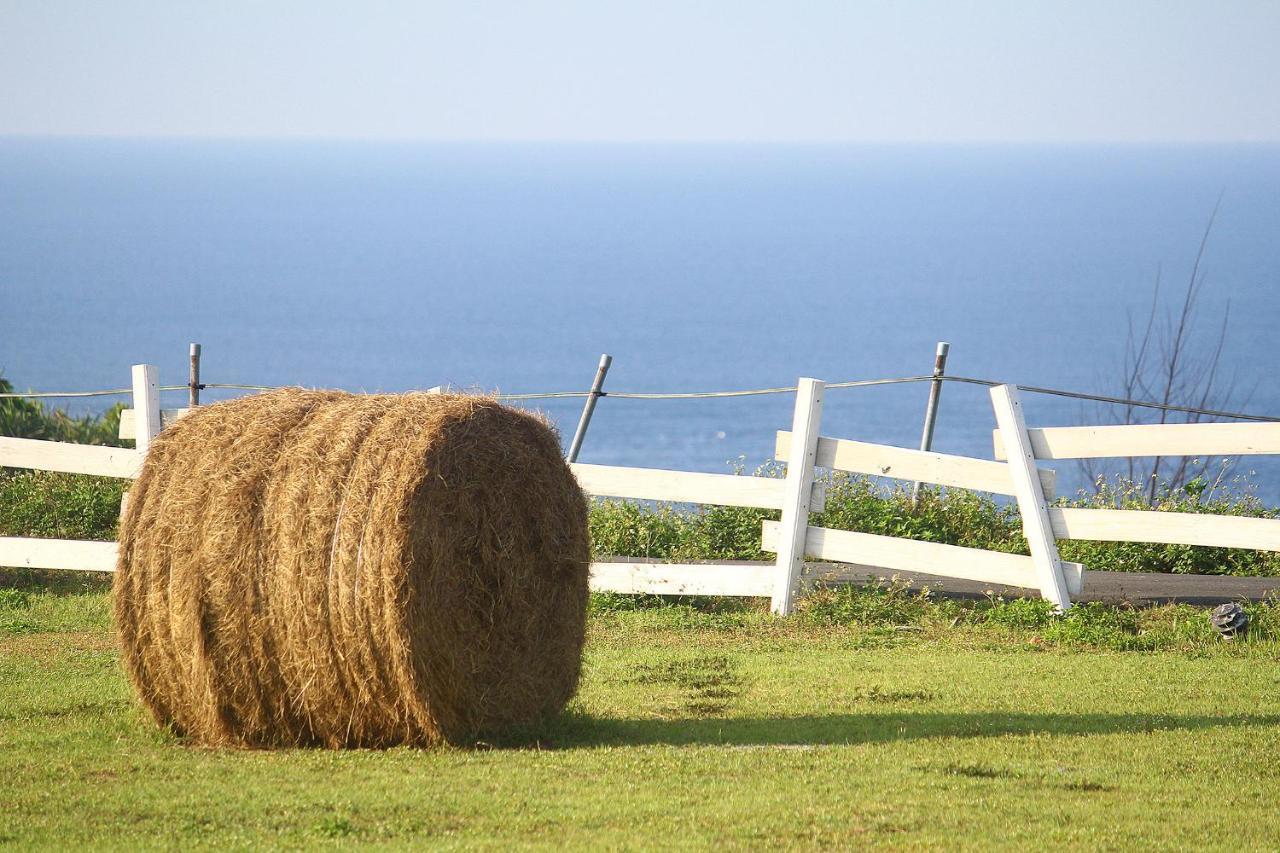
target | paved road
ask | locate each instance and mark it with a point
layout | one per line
(1137, 588)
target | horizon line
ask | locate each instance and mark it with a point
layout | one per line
(603, 141)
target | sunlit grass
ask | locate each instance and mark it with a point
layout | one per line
(881, 722)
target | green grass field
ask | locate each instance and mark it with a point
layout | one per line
(698, 729)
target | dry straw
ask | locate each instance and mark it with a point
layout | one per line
(315, 567)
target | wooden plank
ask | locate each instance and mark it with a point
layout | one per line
(129, 421)
(683, 578)
(1031, 500)
(1174, 528)
(656, 484)
(1097, 442)
(69, 458)
(881, 460)
(146, 402)
(1154, 588)
(76, 554)
(806, 420)
(930, 558)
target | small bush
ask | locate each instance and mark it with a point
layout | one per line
(45, 504)
(664, 532)
(61, 506)
(1094, 624)
(1019, 613)
(1235, 499)
(952, 517)
(890, 603)
(14, 599)
(30, 419)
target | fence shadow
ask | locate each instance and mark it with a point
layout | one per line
(573, 731)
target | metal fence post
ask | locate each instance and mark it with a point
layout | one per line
(931, 409)
(589, 407)
(193, 396)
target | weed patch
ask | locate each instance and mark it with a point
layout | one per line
(707, 684)
(977, 771)
(878, 695)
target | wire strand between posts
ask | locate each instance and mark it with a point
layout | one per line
(708, 395)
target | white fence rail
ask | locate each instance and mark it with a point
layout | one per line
(655, 484)
(684, 578)
(74, 554)
(80, 459)
(129, 421)
(929, 558)
(796, 496)
(69, 458)
(882, 460)
(1043, 525)
(1100, 442)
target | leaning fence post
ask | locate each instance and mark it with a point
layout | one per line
(805, 423)
(931, 408)
(146, 404)
(1030, 494)
(589, 407)
(193, 395)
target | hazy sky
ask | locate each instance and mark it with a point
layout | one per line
(927, 71)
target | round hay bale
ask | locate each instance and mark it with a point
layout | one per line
(317, 567)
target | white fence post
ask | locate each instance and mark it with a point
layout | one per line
(146, 404)
(1031, 502)
(803, 454)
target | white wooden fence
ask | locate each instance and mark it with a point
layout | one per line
(792, 538)
(81, 459)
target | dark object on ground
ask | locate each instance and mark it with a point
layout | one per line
(1230, 620)
(316, 567)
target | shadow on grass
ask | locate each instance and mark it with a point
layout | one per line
(578, 730)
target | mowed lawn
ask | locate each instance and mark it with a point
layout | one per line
(691, 730)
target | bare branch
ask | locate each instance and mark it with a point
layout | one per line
(1168, 361)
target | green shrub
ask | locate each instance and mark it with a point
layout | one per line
(952, 517)
(1235, 499)
(30, 419)
(664, 532)
(14, 599)
(45, 504)
(1018, 613)
(1094, 624)
(60, 506)
(636, 530)
(949, 516)
(890, 603)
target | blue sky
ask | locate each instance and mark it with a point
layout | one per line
(926, 71)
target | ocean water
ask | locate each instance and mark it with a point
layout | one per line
(512, 267)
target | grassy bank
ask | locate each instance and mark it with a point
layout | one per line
(869, 721)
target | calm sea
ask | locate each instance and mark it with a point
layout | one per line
(512, 267)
